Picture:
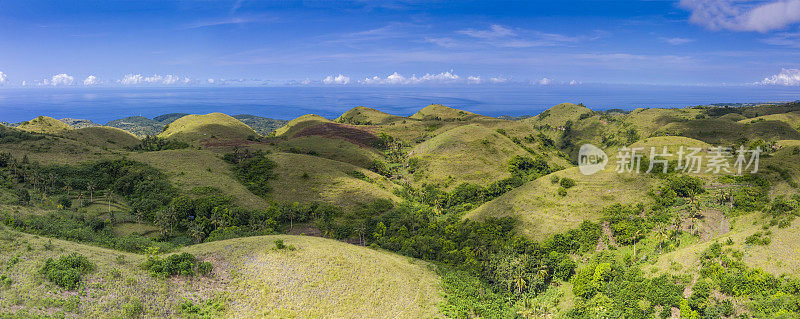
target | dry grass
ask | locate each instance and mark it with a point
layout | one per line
(44, 124)
(296, 125)
(366, 115)
(103, 137)
(332, 148)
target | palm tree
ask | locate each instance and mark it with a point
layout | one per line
(91, 189)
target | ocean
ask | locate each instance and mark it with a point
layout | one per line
(105, 104)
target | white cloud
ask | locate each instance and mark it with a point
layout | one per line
(398, 79)
(60, 79)
(91, 80)
(24, 83)
(761, 16)
(339, 79)
(210, 81)
(495, 31)
(498, 79)
(307, 81)
(543, 81)
(131, 79)
(788, 77)
(474, 79)
(574, 82)
(677, 41)
(3, 77)
(169, 79)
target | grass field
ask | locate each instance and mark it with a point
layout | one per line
(296, 125)
(441, 112)
(469, 153)
(190, 168)
(103, 137)
(304, 178)
(320, 278)
(44, 124)
(361, 115)
(330, 148)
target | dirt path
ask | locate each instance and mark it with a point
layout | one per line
(607, 234)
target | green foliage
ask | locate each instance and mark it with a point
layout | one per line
(183, 264)
(686, 186)
(12, 135)
(567, 182)
(279, 245)
(66, 272)
(625, 222)
(205, 309)
(380, 167)
(562, 191)
(528, 168)
(254, 170)
(759, 238)
(155, 143)
(468, 296)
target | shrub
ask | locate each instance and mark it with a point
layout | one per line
(205, 268)
(686, 186)
(562, 191)
(66, 272)
(183, 264)
(279, 245)
(554, 179)
(567, 182)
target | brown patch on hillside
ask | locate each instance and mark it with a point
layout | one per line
(346, 132)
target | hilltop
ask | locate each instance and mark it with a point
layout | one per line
(444, 113)
(214, 125)
(296, 125)
(361, 115)
(44, 124)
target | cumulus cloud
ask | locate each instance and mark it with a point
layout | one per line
(131, 79)
(59, 79)
(498, 79)
(544, 81)
(339, 79)
(574, 82)
(169, 79)
(760, 16)
(474, 79)
(3, 78)
(210, 81)
(398, 79)
(495, 31)
(91, 80)
(788, 77)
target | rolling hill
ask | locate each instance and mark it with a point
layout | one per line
(444, 113)
(44, 124)
(192, 128)
(103, 136)
(469, 153)
(296, 125)
(361, 115)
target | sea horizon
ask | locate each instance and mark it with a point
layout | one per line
(102, 105)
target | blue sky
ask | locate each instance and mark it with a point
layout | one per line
(395, 43)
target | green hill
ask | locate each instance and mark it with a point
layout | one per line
(200, 127)
(791, 118)
(444, 113)
(304, 178)
(338, 149)
(44, 124)
(469, 153)
(320, 278)
(557, 116)
(361, 115)
(103, 136)
(300, 123)
(78, 123)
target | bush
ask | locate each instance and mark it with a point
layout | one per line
(205, 268)
(567, 182)
(67, 271)
(562, 191)
(279, 245)
(686, 186)
(554, 179)
(183, 264)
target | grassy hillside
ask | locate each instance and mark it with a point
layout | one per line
(300, 123)
(78, 123)
(190, 168)
(543, 212)
(103, 136)
(215, 125)
(304, 178)
(558, 115)
(444, 113)
(321, 277)
(469, 153)
(361, 115)
(791, 118)
(716, 131)
(332, 148)
(44, 124)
